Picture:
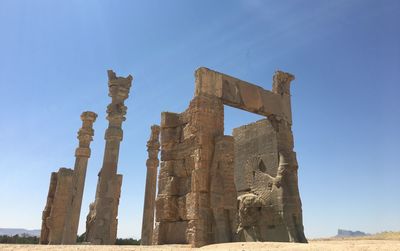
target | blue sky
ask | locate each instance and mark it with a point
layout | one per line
(345, 54)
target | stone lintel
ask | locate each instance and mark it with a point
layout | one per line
(246, 96)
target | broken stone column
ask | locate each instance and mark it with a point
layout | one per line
(55, 214)
(153, 147)
(60, 217)
(45, 230)
(82, 154)
(101, 225)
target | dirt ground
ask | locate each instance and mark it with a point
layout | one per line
(313, 245)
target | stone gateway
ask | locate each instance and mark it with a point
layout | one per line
(215, 188)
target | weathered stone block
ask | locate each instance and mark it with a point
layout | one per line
(179, 169)
(170, 186)
(175, 232)
(231, 93)
(167, 168)
(182, 208)
(184, 185)
(169, 119)
(271, 103)
(251, 97)
(170, 135)
(208, 82)
(178, 151)
(200, 180)
(167, 208)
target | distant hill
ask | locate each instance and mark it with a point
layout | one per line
(19, 231)
(348, 233)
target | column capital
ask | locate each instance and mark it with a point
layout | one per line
(86, 132)
(153, 145)
(88, 116)
(118, 86)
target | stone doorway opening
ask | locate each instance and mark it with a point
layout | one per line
(234, 117)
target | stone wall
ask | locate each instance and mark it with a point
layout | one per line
(256, 167)
(177, 163)
(256, 153)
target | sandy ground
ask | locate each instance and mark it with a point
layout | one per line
(324, 245)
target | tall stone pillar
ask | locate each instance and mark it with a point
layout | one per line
(60, 217)
(82, 154)
(101, 225)
(153, 147)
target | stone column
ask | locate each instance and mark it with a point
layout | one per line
(82, 154)
(153, 147)
(61, 215)
(102, 220)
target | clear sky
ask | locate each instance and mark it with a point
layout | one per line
(345, 55)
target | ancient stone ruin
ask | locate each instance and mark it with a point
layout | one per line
(216, 188)
(212, 187)
(101, 224)
(60, 217)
